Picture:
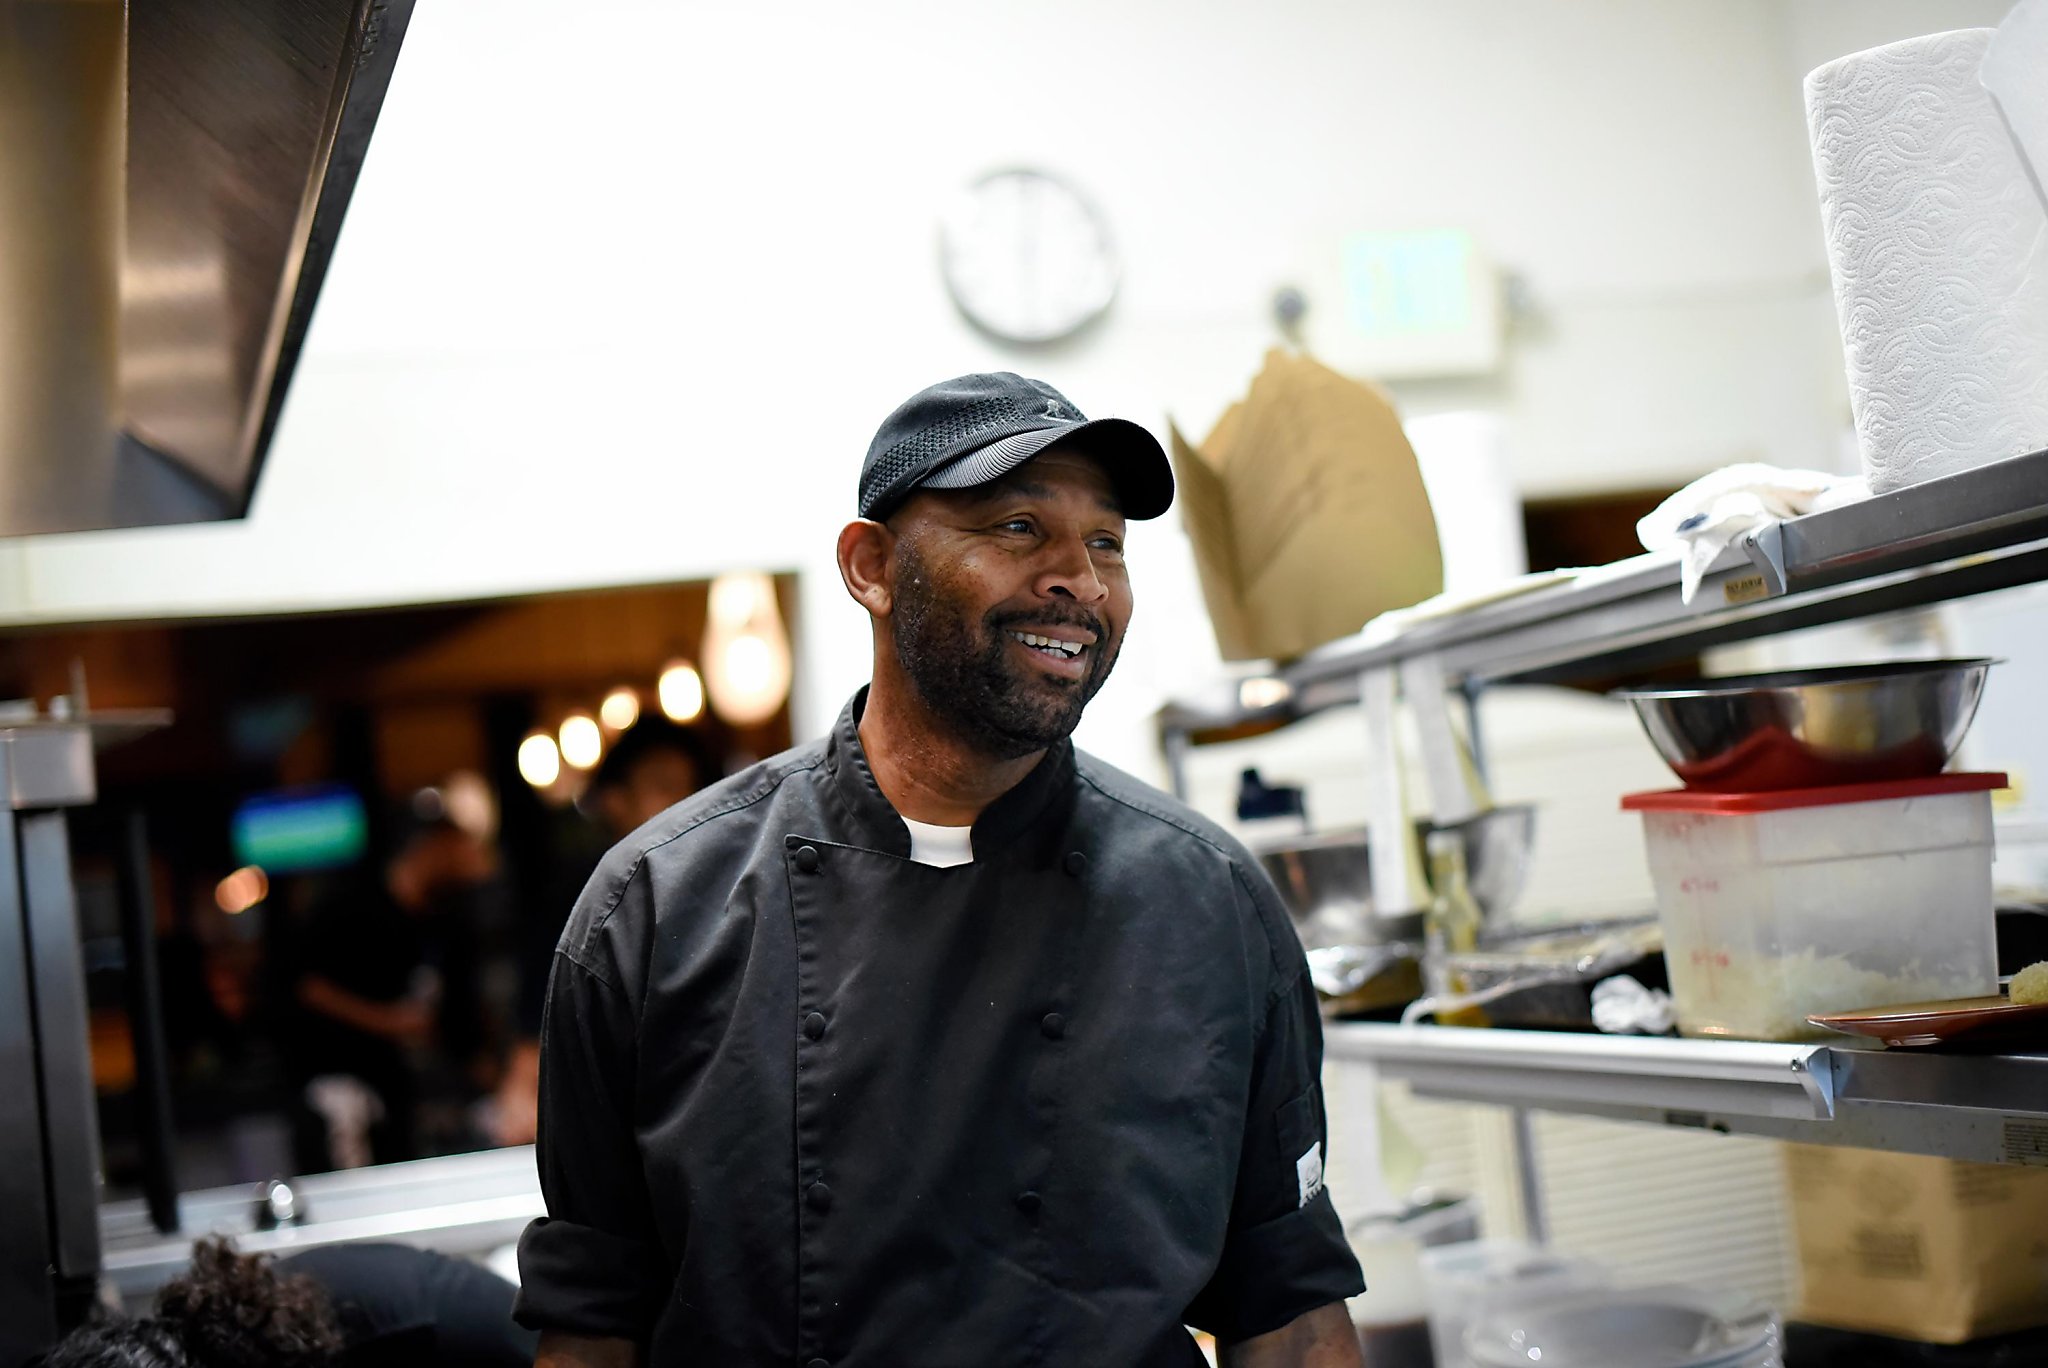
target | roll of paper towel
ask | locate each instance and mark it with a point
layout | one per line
(1938, 245)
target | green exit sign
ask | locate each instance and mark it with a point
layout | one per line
(1411, 303)
(1406, 285)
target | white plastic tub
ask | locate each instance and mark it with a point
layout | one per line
(1480, 1277)
(1779, 905)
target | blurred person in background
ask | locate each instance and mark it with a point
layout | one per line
(210, 965)
(385, 969)
(651, 766)
(339, 1306)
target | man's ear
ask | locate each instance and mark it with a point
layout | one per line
(866, 549)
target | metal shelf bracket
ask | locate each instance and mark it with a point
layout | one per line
(1559, 1071)
(1765, 548)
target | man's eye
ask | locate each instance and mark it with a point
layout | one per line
(1016, 525)
(1110, 544)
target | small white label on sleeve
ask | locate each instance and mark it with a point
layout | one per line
(1308, 1170)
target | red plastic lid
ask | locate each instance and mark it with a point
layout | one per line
(1695, 800)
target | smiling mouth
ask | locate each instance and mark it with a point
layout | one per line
(1055, 648)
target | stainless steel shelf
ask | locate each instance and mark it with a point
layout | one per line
(459, 1204)
(1969, 533)
(1965, 534)
(1989, 1108)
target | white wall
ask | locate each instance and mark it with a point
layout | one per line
(626, 287)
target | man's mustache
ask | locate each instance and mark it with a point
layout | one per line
(1075, 616)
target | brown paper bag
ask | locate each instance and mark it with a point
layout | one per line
(1307, 512)
(1925, 1249)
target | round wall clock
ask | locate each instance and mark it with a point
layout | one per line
(1027, 257)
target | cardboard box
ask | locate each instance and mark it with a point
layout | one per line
(1307, 512)
(1920, 1248)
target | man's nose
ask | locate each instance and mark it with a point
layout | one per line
(1070, 573)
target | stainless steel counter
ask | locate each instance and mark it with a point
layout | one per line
(460, 1204)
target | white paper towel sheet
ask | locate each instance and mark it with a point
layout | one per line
(1939, 250)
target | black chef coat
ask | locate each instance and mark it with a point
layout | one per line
(806, 1102)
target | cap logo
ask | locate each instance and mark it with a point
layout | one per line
(1053, 409)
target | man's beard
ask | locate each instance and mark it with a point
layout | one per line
(963, 671)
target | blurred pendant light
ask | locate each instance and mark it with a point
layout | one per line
(746, 650)
(620, 709)
(681, 691)
(540, 764)
(241, 890)
(582, 742)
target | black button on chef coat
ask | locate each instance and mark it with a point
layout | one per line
(804, 1099)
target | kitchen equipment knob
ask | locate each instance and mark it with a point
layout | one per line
(278, 1204)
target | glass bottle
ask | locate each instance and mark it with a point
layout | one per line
(1451, 926)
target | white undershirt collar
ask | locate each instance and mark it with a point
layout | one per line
(940, 846)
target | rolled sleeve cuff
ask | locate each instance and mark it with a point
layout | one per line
(1274, 1273)
(577, 1280)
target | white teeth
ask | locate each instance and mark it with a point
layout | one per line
(1069, 649)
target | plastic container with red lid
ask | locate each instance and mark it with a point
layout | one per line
(1783, 904)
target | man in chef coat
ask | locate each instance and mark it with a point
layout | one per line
(937, 1043)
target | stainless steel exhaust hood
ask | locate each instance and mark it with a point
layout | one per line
(173, 174)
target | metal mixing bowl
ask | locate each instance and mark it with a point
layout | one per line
(1850, 724)
(1326, 880)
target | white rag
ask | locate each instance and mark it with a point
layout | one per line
(1623, 1006)
(1703, 519)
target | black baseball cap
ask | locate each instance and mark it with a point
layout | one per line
(972, 429)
